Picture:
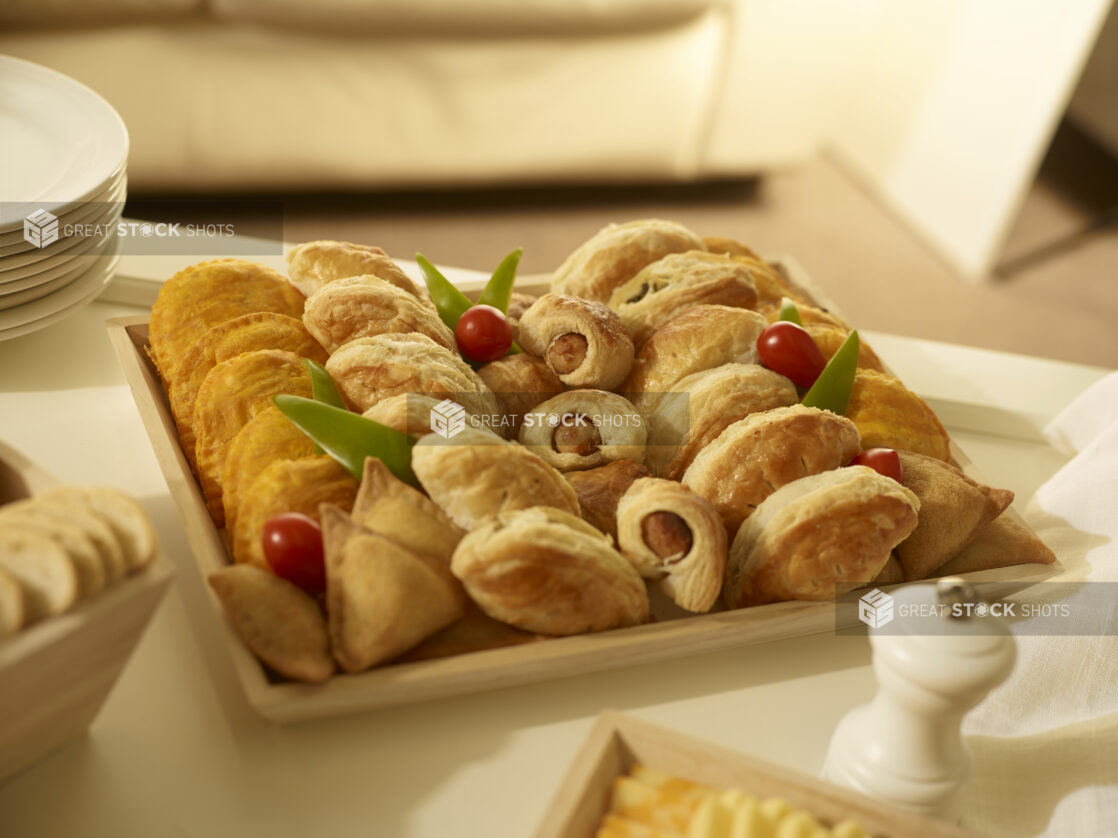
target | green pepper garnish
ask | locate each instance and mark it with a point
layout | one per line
(323, 389)
(349, 437)
(449, 301)
(789, 312)
(498, 290)
(831, 390)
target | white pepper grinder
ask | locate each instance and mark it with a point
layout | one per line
(936, 659)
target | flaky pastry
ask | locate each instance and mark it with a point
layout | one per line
(702, 405)
(363, 306)
(818, 537)
(701, 338)
(755, 456)
(545, 570)
(313, 264)
(582, 429)
(599, 490)
(890, 415)
(673, 536)
(616, 252)
(583, 342)
(673, 284)
(520, 382)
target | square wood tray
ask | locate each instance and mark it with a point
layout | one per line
(618, 742)
(673, 635)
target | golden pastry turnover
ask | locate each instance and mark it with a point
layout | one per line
(616, 253)
(314, 264)
(890, 415)
(818, 537)
(545, 570)
(677, 282)
(364, 306)
(600, 489)
(755, 456)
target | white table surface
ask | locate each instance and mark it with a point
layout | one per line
(177, 751)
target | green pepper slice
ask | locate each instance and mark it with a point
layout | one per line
(498, 290)
(349, 437)
(831, 390)
(450, 302)
(789, 312)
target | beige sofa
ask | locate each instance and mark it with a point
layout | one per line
(357, 94)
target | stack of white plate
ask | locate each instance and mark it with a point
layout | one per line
(63, 153)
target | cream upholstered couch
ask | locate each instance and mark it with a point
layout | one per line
(329, 94)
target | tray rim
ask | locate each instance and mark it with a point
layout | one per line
(617, 741)
(483, 670)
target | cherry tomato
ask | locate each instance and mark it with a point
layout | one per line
(483, 333)
(293, 548)
(789, 350)
(884, 461)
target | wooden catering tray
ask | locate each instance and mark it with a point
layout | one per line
(673, 635)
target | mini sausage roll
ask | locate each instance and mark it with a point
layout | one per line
(616, 252)
(701, 338)
(705, 404)
(672, 535)
(583, 342)
(582, 429)
(599, 490)
(547, 571)
(363, 306)
(675, 283)
(755, 456)
(368, 370)
(314, 264)
(819, 537)
(475, 473)
(520, 382)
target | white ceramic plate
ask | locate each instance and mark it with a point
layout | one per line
(23, 266)
(84, 213)
(59, 141)
(40, 313)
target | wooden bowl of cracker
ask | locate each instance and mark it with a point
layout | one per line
(81, 574)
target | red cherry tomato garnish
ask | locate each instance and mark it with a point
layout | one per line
(789, 350)
(483, 333)
(293, 548)
(884, 461)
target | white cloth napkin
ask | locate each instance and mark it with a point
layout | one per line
(1045, 742)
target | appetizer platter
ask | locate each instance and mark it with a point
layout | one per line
(399, 491)
(633, 779)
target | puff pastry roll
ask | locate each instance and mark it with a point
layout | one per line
(314, 264)
(600, 489)
(675, 283)
(381, 598)
(409, 413)
(475, 473)
(582, 429)
(703, 405)
(890, 415)
(953, 509)
(675, 537)
(520, 382)
(368, 370)
(701, 338)
(772, 285)
(547, 571)
(617, 252)
(363, 306)
(755, 456)
(583, 342)
(818, 537)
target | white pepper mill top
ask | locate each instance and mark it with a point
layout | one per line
(938, 657)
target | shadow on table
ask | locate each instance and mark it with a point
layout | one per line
(1019, 782)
